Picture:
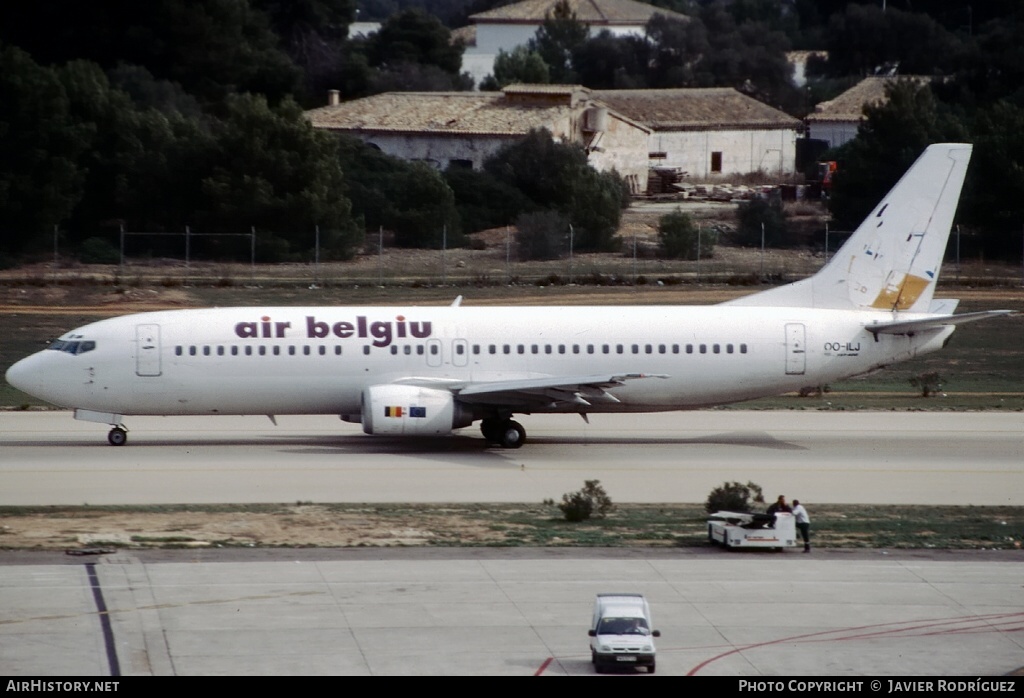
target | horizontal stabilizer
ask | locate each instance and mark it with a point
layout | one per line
(931, 323)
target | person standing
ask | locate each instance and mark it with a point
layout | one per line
(803, 523)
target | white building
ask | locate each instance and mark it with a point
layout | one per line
(504, 28)
(710, 131)
(837, 120)
(465, 128)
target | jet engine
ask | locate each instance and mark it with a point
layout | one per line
(410, 410)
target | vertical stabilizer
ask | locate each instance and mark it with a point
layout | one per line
(892, 260)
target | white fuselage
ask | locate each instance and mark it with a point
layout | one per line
(319, 360)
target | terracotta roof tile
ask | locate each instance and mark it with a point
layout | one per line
(597, 12)
(849, 106)
(695, 109)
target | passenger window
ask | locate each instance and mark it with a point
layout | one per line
(234, 351)
(618, 348)
(177, 351)
(661, 348)
(291, 350)
(191, 351)
(476, 349)
(703, 348)
(407, 350)
(648, 349)
(220, 351)
(716, 348)
(337, 350)
(263, 350)
(366, 349)
(606, 349)
(248, 350)
(590, 348)
(689, 348)
(507, 348)
(277, 350)
(419, 350)
(305, 349)
(743, 348)
(534, 349)
(323, 350)
(394, 350)
(520, 349)
(206, 351)
(459, 349)
(492, 349)
(636, 348)
(728, 348)
(675, 348)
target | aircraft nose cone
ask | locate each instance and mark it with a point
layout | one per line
(24, 377)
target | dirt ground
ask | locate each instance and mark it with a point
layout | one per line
(291, 526)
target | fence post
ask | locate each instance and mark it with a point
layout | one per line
(316, 259)
(188, 250)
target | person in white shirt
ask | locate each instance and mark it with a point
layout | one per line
(803, 523)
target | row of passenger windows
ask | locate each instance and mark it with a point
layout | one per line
(604, 348)
(461, 348)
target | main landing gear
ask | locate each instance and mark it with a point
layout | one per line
(117, 436)
(507, 433)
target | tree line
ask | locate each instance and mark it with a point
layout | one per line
(170, 113)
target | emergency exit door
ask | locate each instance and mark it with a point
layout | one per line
(147, 350)
(796, 352)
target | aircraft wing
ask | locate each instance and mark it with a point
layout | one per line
(931, 323)
(540, 392)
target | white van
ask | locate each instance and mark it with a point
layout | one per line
(620, 632)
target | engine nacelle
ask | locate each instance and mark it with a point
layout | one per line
(410, 410)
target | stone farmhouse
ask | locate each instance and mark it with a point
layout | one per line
(463, 129)
(837, 120)
(504, 28)
(710, 131)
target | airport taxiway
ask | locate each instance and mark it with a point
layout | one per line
(513, 611)
(817, 456)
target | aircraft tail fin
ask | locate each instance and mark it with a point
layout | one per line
(892, 261)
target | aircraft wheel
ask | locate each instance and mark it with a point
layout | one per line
(491, 429)
(512, 434)
(117, 436)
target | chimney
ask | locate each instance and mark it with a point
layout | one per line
(333, 98)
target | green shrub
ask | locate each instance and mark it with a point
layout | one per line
(589, 501)
(752, 214)
(98, 251)
(734, 496)
(681, 238)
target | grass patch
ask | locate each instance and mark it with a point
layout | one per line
(496, 525)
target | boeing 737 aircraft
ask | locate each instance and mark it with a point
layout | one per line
(432, 370)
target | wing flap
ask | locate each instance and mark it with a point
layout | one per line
(582, 391)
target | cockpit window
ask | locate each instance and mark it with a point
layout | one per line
(72, 346)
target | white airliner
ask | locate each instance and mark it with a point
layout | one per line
(432, 370)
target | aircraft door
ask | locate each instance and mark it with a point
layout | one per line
(147, 350)
(434, 352)
(460, 352)
(796, 353)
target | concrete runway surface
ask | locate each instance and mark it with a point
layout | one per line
(513, 611)
(509, 612)
(821, 457)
